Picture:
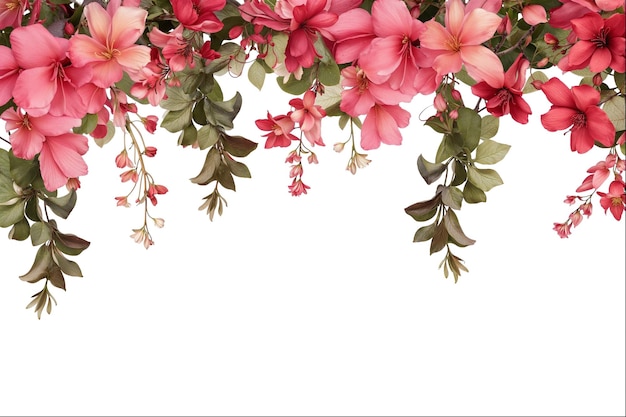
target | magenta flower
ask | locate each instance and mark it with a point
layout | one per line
(579, 109)
(614, 200)
(507, 98)
(111, 49)
(460, 43)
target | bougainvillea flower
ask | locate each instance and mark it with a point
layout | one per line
(507, 98)
(601, 44)
(614, 200)
(382, 125)
(309, 116)
(111, 49)
(61, 159)
(28, 133)
(279, 129)
(459, 43)
(579, 109)
(199, 15)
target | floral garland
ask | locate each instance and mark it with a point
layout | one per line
(356, 60)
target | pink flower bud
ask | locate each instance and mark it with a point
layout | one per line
(295, 171)
(150, 151)
(537, 84)
(150, 123)
(570, 199)
(454, 114)
(338, 147)
(586, 209)
(122, 201)
(440, 103)
(550, 39)
(505, 26)
(543, 62)
(235, 32)
(576, 218)
(456, 94)
(72, 184)
(69, 28)
(159, 222)
(123, 161)
(312, 158)
(597, 79)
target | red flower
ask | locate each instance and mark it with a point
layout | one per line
(199, 15)
(507, 97)
(614, 200)
(578, 108)
(279, 128)
(601, 44)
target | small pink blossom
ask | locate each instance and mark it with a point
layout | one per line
(563, 229)
(279, 129)
(309, 116)
(298, 188)
(382, 125)
(614, 200)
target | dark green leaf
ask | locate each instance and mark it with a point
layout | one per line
(429, 171)
(9, 215)
(62, 206)
(87, 125)
(424, 210)
(24, 172)
(469, 125)
(237, 145)
(69, 267)
(176, 120)
(452, 197)
(41, 265)
(472, 194)
(207, 174)
(454, 230)
(440, 239)
(225, 178)
(237, 168)
(39, 233)
(208, 136)
(460, 174)
(451, 145)
(20, 230)
(425, 233)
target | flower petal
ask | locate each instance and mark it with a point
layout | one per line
(483, 65)
(478, 27)
(558, 118)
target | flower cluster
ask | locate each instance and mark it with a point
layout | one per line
(99, 63)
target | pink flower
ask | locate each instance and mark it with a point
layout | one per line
(28, 133)
(459, 43)
(359, 94)
(259, 13)
(177, 50)
(279, 129)
(534, 14)
(614, 200)
(297, 187)
(150, 123)
(507, 98)
(151, 80)
(601, 44)
(199, 15)
(563, 229)
(381, 125)
(307, 19)
(578, 108)
(9, 71)
(47, 82)
(309, 116)
(12, 12)
(61, 159)
(111, 49)
(352, 33)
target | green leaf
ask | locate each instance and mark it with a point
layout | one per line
(198, 114)
(440, 239)
(460, 173)
(56, 278)
(294, 86)
(107, 138)
(614, 108)
(7, 192)
(237, 168)
(620, 81)
(225, 178)
(452, 197)
(20, 230)
(450, 146)
(256, 74)
(207, 174)
(11, 214)
(41, 265)
(5, 165)
(223, 113)
(424, 210)
(176, 99)
(39, 233)
(429, 171)
(24, 172)
(176, 120)
(237, 145)
(69, 267)
(68, 243)
(329, 73)
(425, 233)
(87, 125)
(473, 195)
(485, 179)
(62, 206)
(490, 152)
(469, 125)
(464, 77)
(489, 126)
(454, 230)
(208, 136)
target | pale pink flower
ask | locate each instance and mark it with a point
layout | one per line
(61, 159)
(563, 229)
(297, 187)
(111, 49)
(460, 43)
(177, 50)
(382, 125)
(9, 71)
(352, 34)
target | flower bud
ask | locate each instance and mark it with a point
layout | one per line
(550, 39)
(537, 84)
(454, 114)
(576, 218)
(597, 79)
(543, 62)
(338, 147)
(456, 94)
(312, 159)
(69, 28)
(150, 151)
(440, 103)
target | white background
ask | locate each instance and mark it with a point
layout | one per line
(322, 305)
